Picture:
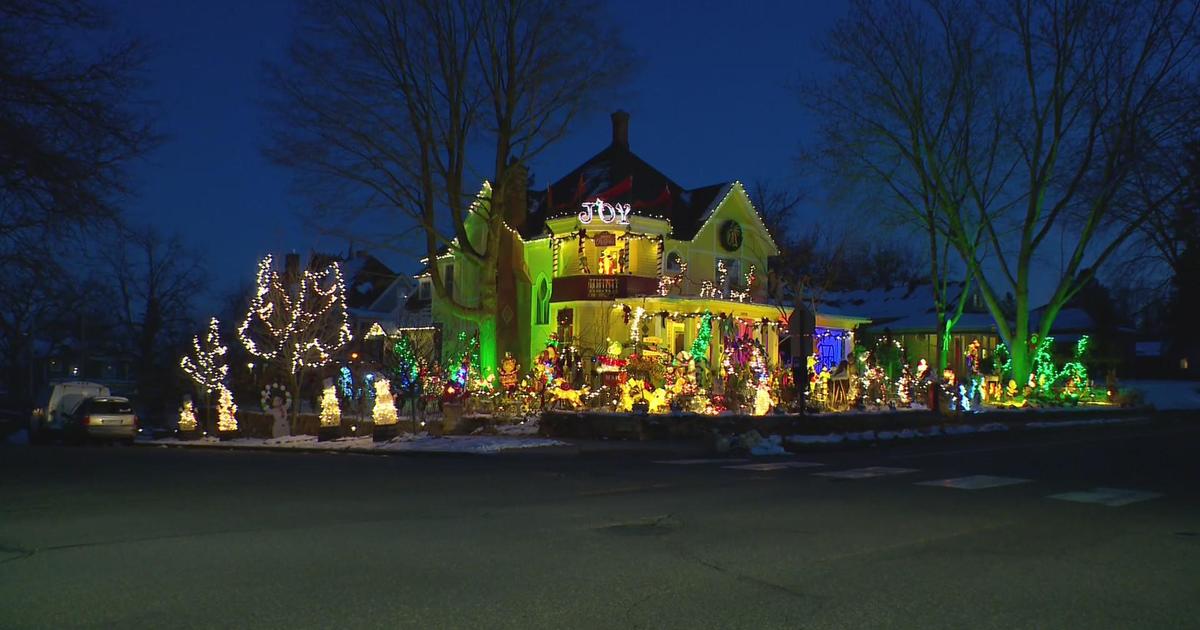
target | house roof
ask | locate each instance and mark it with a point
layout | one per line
(617, 174)
(367, 278)
(906, 308)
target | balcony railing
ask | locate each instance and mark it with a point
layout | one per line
(597, 287)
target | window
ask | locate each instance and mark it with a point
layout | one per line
(541, 302)
(733, 273)
(448, 279)
(674, 263)
(423, 292)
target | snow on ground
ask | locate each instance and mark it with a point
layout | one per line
(479, 444)
(527, 428)
(1168, 394)
(19, 438)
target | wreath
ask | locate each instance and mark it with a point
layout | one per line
(273, 391)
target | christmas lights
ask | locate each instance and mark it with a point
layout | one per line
(187, 416)
(700, 345)
(331, 412)
(226, 411)
(384, 410)
(206, 364)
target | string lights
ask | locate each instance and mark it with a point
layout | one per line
(187, 416)
(206, 363)
(384, 411)
(226, 411)
(331, 412)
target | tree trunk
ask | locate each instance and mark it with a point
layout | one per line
(941, 339)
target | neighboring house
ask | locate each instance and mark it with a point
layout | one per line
(907, 314)
(371, 289)
(615, 244)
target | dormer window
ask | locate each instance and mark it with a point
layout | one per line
(674, 263)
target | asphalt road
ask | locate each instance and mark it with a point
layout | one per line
(166, 538)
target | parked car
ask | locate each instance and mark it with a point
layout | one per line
(103, 417)
(61, 401)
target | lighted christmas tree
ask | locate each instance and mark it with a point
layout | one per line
(187, 416)
(226, 411)
(384, 411)
(408, 370)
(297, 321)
(205, 365)
(331, 413)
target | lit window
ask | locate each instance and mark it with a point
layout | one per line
(674, 263)
(733, 272)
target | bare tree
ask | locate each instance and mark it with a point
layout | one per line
(1022, 122)
(296, 321)
(900, 123)
(386, 104)
(69, 125)
(1103, 92)
(157, 282)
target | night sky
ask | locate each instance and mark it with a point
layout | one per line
(712, 99)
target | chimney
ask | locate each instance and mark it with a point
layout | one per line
(291, 265)
(516, 203)
(620, 128)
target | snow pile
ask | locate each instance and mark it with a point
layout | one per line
(772, 445)
(1080, 423)
(1168, 394)
(527, 427)
(18, 438)
(992, 427)
(959, 429)
(289, 440)
(832, 438)
(476, 444)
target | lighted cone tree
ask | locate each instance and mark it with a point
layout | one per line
(384, 411)
(205, 364)
(297, 321)
(187, 417)
(331, 413)
(226, 411)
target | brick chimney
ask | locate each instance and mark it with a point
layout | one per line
(620, 129)
(291, 265)
(516, 204)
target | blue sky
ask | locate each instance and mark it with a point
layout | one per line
(713, 99)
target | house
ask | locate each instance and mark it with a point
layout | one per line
(906, 314)
(617, 251)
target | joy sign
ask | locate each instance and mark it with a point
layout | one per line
(607, 212)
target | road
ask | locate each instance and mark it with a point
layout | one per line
(170, 538)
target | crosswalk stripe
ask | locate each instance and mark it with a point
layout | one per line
(974, 482)
(774, 466)
(1111, 497)
(866, 473)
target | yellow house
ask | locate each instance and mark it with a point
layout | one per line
(615, 251)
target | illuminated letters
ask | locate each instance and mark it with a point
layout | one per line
(607, 212)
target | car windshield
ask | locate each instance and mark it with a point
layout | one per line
(108, 406)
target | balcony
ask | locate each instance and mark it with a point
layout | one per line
(597, 287)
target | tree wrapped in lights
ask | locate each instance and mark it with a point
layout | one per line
(226, 411)
(331, 412)
(297, 321)
(384, 411)
(205, 364)
(187, 416)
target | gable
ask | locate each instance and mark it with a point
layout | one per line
(735, 205)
